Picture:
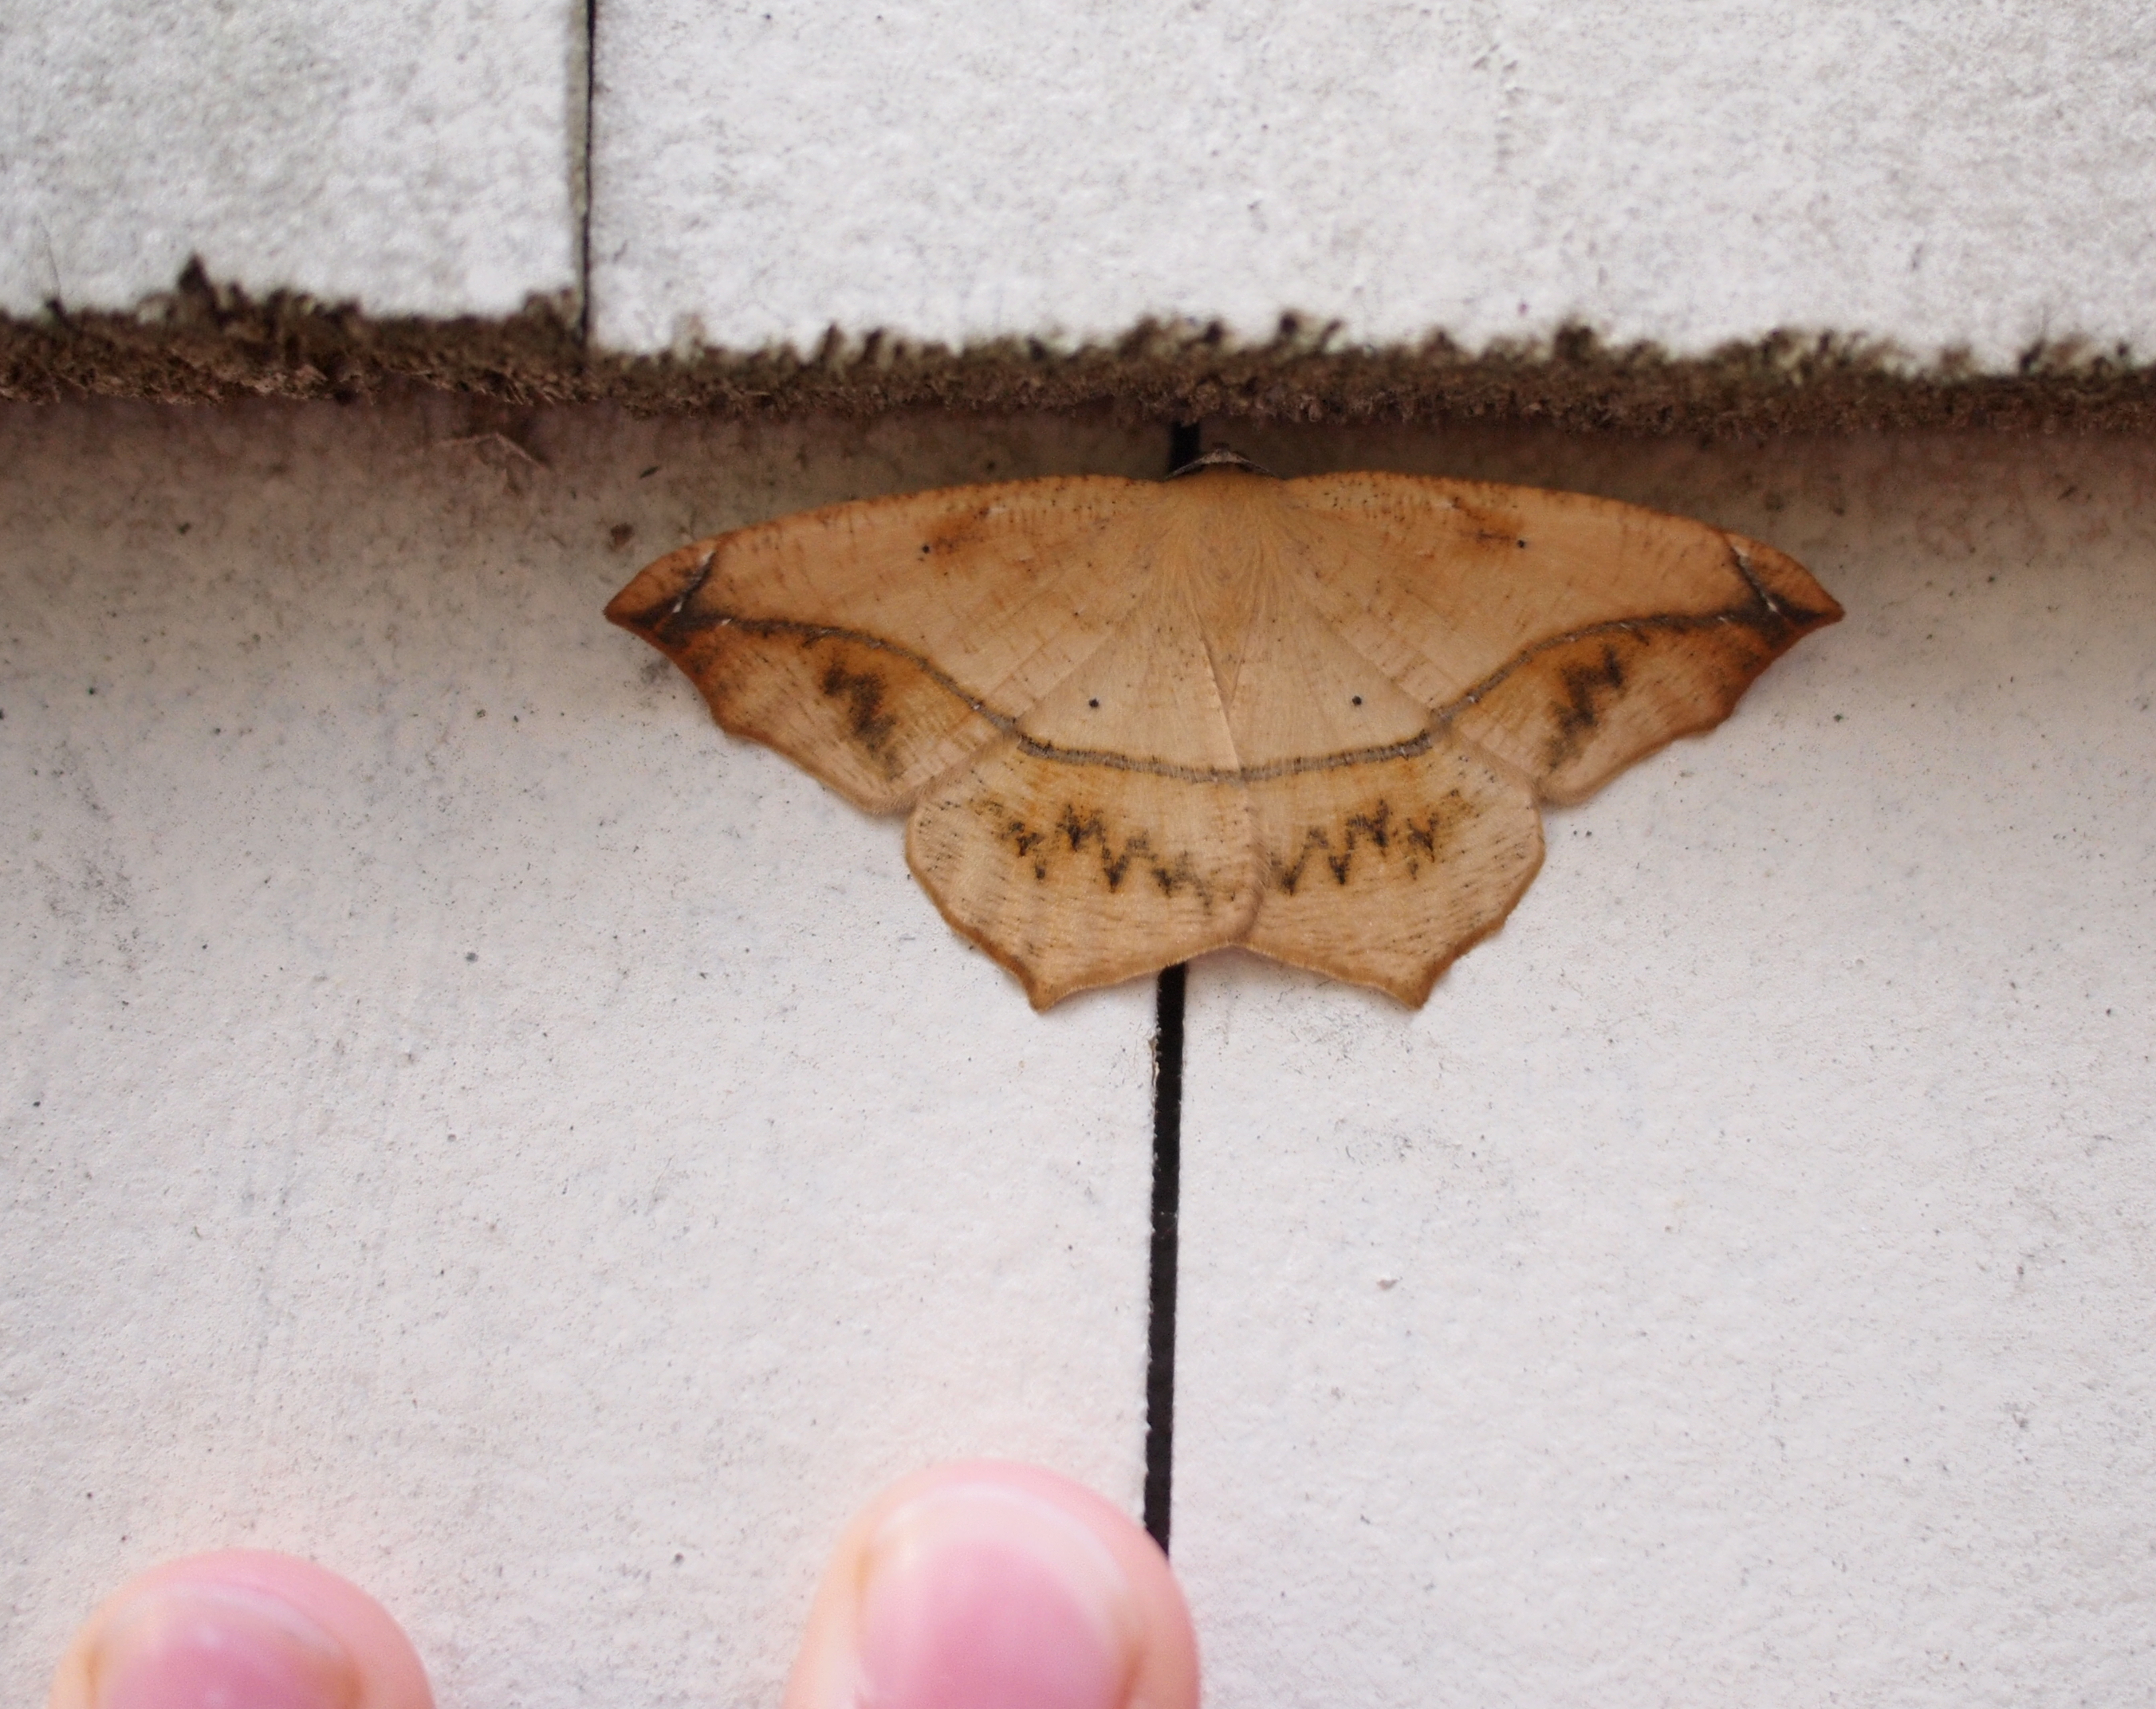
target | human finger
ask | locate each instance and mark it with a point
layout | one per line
(240, 1627)
(989, 1585)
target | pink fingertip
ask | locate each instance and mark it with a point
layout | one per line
(977, 1625)
(984, 1585)
(218, 1648)
(242, 1629)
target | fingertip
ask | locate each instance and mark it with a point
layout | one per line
(246, 1625)
(991, 1585)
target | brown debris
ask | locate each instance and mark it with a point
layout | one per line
(205, 343)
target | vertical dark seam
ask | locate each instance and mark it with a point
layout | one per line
(590, 123)
(1183, 448)
(1186, 444)
(1166, 1194)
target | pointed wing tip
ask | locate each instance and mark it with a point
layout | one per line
(1814, 610)
(659, 585)
(1413, 994)
(1792, 590)
(1412, 991)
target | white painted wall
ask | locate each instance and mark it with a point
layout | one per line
(1688, 171)
(1733, 1285)
(418, 156)
(466, 1121)
(1738, 1284)
(1765, 1210)
(1938, 176)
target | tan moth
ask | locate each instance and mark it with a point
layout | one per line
(1132, 721)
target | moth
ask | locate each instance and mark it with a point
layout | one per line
(1132, 721)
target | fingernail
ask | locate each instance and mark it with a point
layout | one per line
(984, 1596)
(208, 1646)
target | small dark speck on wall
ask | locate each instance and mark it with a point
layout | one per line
(471, 954)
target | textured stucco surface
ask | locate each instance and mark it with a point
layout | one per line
(1938, 175)
(465, 1120)
(1735, 1285)
(418, 156)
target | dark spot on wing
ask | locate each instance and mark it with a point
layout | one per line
(1374, 826)
(1181, 874)
(1123, 862)
(1025, 841)
(1287, 874)
(1589, 689)
(1369, 841)
(952, 532)
(867, 721)
(1365, 843)
(1091, 828)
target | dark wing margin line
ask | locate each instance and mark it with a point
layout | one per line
(1773, 618)
(672, 623)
